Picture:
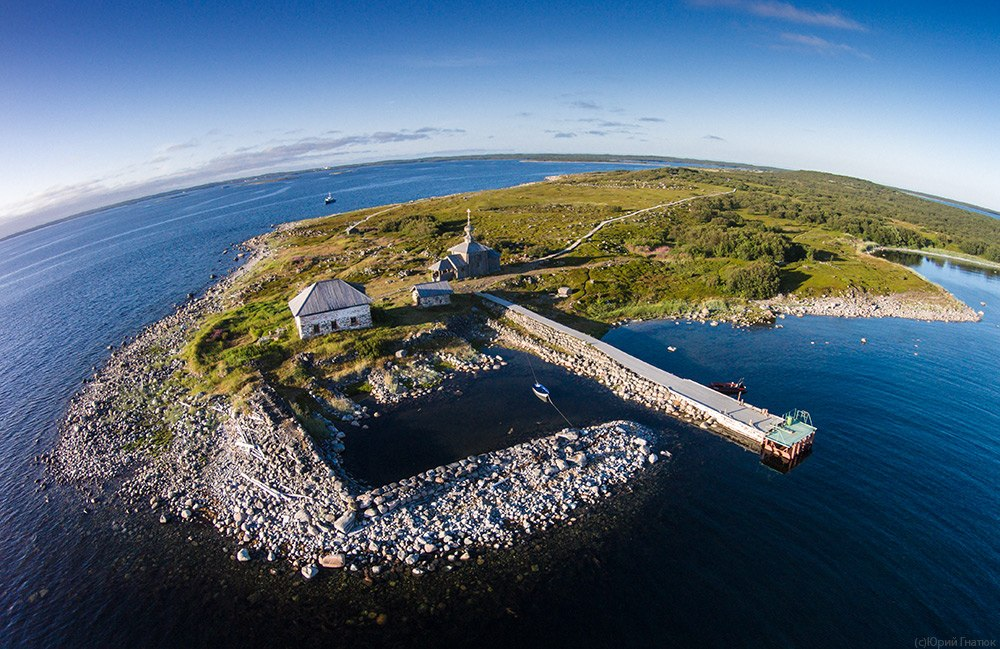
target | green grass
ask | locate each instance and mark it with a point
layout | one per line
(656, 264)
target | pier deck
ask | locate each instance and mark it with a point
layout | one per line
(738, 417)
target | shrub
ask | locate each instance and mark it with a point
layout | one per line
(757, 281)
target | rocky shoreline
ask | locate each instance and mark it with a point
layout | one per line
(946, 308)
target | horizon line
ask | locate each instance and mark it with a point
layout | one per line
(538, 157)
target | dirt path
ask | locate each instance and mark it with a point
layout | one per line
(573, 246)
(365, 220)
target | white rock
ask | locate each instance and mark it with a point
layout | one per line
(345, 523)
(243, 555)
(333, 560)
(309, 571)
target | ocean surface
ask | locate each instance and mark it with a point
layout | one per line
(961, 206)
(887, 535)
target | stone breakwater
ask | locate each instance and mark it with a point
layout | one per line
(516, 330)
(280, 498)
(943, 308)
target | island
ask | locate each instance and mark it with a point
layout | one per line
(235, 410)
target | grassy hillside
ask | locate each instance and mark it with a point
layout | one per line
(799, 233)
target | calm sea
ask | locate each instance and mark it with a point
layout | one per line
(886, 535)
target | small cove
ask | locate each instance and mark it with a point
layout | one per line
(483, 412)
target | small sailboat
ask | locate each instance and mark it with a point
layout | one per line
(329, 199)
(671, 348)
(541, 392)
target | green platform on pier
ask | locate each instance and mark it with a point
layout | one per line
(791, 431)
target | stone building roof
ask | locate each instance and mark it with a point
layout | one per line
(432, 289)
(328, 295)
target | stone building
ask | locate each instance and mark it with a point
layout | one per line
(431, 294)
(468, 259)
(330, 305)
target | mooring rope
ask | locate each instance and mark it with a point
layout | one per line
(568, 422)
(548, 397)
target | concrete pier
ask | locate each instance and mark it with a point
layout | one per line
(757, 427)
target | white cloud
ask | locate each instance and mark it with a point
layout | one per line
(821, 45)
(787, 12)
(64, 200)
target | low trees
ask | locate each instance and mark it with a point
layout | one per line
(757, 281)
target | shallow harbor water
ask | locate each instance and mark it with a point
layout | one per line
(474, 414)
(886, 534)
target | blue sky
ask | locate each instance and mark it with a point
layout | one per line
(105, 101)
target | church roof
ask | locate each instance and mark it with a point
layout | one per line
(328, 295)
(467, 247)
(451, 261)
(433, 289)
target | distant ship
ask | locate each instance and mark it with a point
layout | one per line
(732, 388)
(330, 199)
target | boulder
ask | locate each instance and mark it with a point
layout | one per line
(345, 523)
(310, 571)
(243, 555)
(333, 560)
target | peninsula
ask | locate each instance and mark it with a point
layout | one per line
(235, 410)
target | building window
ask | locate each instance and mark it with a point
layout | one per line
(315, 328)
(333, 325)
(354, 321)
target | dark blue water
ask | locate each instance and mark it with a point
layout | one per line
(887, 533)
